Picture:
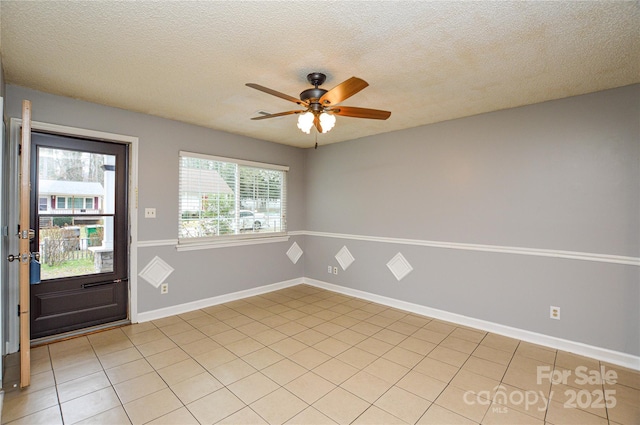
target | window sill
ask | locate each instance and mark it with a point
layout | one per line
(230, 242)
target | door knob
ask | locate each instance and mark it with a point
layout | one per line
(23, 257)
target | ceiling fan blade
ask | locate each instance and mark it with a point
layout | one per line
(279, 114)
(316, 122)
(352, 111)
(277, 93)
(343, 91)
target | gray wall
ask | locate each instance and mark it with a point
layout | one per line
(561, 175)
(198, 274)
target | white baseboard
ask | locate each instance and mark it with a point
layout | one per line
(610, 356)
(599, 353)
(208, 302)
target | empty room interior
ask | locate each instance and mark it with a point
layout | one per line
(341, 212)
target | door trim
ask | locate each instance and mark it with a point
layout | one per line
(24, 245)
(133, 142)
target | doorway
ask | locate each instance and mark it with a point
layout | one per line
(79, 212)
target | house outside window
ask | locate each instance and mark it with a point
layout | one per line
(70, 203)
(223, 198)
(42, 204)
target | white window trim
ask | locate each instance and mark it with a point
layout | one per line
(226, 242)
(235, 160)
(186, 244)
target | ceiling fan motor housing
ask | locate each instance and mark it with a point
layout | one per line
(314, 94)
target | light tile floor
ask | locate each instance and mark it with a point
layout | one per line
(303, 355)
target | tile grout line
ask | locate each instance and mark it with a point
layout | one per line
(373, 322)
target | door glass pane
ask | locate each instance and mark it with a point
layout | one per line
(75, 249)
(75, 235)
(73, 179)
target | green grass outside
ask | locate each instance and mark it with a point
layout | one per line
(68, 268)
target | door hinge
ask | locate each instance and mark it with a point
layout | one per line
(18, 310)
(20, 149)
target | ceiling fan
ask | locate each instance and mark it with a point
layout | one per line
(321, 106)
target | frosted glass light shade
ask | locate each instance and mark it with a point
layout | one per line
(327, 121)
(305, 122)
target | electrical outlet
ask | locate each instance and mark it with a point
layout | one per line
(164, 288)
(335, 270)
(554, 312)
(329, 270)
(149, 213)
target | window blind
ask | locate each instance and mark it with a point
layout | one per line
(228, 198)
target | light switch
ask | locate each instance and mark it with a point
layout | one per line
(149, 213)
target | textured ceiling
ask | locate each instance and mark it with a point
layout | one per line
(425, 61)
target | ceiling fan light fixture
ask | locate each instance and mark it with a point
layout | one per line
(322, 105)
(305, 122)
(327, 121)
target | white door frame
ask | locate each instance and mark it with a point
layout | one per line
(12, 327)
(3, 254)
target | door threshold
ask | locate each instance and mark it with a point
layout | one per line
(78, 333)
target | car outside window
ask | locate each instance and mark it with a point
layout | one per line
(223, 198)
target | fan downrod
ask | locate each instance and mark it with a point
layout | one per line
(312, 95)
(316, 78)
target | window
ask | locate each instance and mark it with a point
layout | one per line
(42, 204)
(222, 199)
(78, 203)
(72, 202)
